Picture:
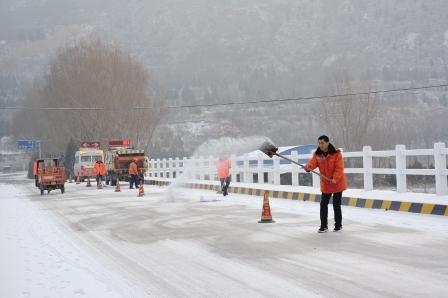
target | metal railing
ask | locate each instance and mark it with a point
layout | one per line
(262, 169)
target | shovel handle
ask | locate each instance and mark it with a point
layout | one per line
(303, 167)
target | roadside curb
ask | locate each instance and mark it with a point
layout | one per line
(402, 206)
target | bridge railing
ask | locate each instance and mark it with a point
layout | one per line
(262, 169)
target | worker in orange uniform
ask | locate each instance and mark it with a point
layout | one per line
(330, 162)
(100, 170)
(133, 174)
(223, 170)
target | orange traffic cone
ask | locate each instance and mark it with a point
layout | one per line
(88, 182)
(141, 191)
(77, 180)
(266, 215)
(117, 185)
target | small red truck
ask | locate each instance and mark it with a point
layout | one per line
(50, 175)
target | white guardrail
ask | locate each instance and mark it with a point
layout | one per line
(248, 169)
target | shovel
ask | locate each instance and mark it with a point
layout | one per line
(270, 150)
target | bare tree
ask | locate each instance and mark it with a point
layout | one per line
(103, 78)
(348, 118)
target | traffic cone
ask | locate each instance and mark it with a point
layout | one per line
(88, 182)
(266, 215)
(77, 180)
(141, 191)
(117, 185)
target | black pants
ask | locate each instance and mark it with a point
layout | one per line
(133, 180)
(336, 207)
(225, 182)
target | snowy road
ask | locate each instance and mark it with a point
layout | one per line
(99, 243)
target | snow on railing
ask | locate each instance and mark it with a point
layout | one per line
(248, 169)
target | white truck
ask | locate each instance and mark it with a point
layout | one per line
(85, 159)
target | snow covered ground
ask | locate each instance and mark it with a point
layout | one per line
(99, 243)
(356, 193)
(40, 256)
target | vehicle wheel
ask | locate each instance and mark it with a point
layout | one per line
(62, 189)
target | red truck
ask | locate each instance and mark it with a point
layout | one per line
(50, 175)
(118, 158)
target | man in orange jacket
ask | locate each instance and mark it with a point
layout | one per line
(100, 170)
(330, 162)
(133, 174)
(223, 171)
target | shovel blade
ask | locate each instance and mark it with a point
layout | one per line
(269, 149)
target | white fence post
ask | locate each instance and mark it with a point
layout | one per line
(185, 167)
(164, 168)
(170, 168)
(367, 166)
(260, 170)
(248, 177)
(176, 167)
(276, 171)
(316, 180)
(234, 170)
(440, 168)
(294, 169)
(158, 167)
(150, 170)
(400, 164)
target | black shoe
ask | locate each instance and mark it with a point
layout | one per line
(131, 188)
(322, 230)
(337, 229)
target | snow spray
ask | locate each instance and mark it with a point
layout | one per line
(216, 148)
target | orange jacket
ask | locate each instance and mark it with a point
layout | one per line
(99, 168)
(223, 168)
(133, 170)
(331, 166)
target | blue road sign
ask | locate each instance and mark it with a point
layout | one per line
(27, 144)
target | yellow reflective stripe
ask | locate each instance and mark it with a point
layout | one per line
(386, 204)
(369, 203)
(405, 206)
(352, 202)
(427, 208)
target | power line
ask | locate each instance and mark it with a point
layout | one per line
(312, 97)
(258, 101)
